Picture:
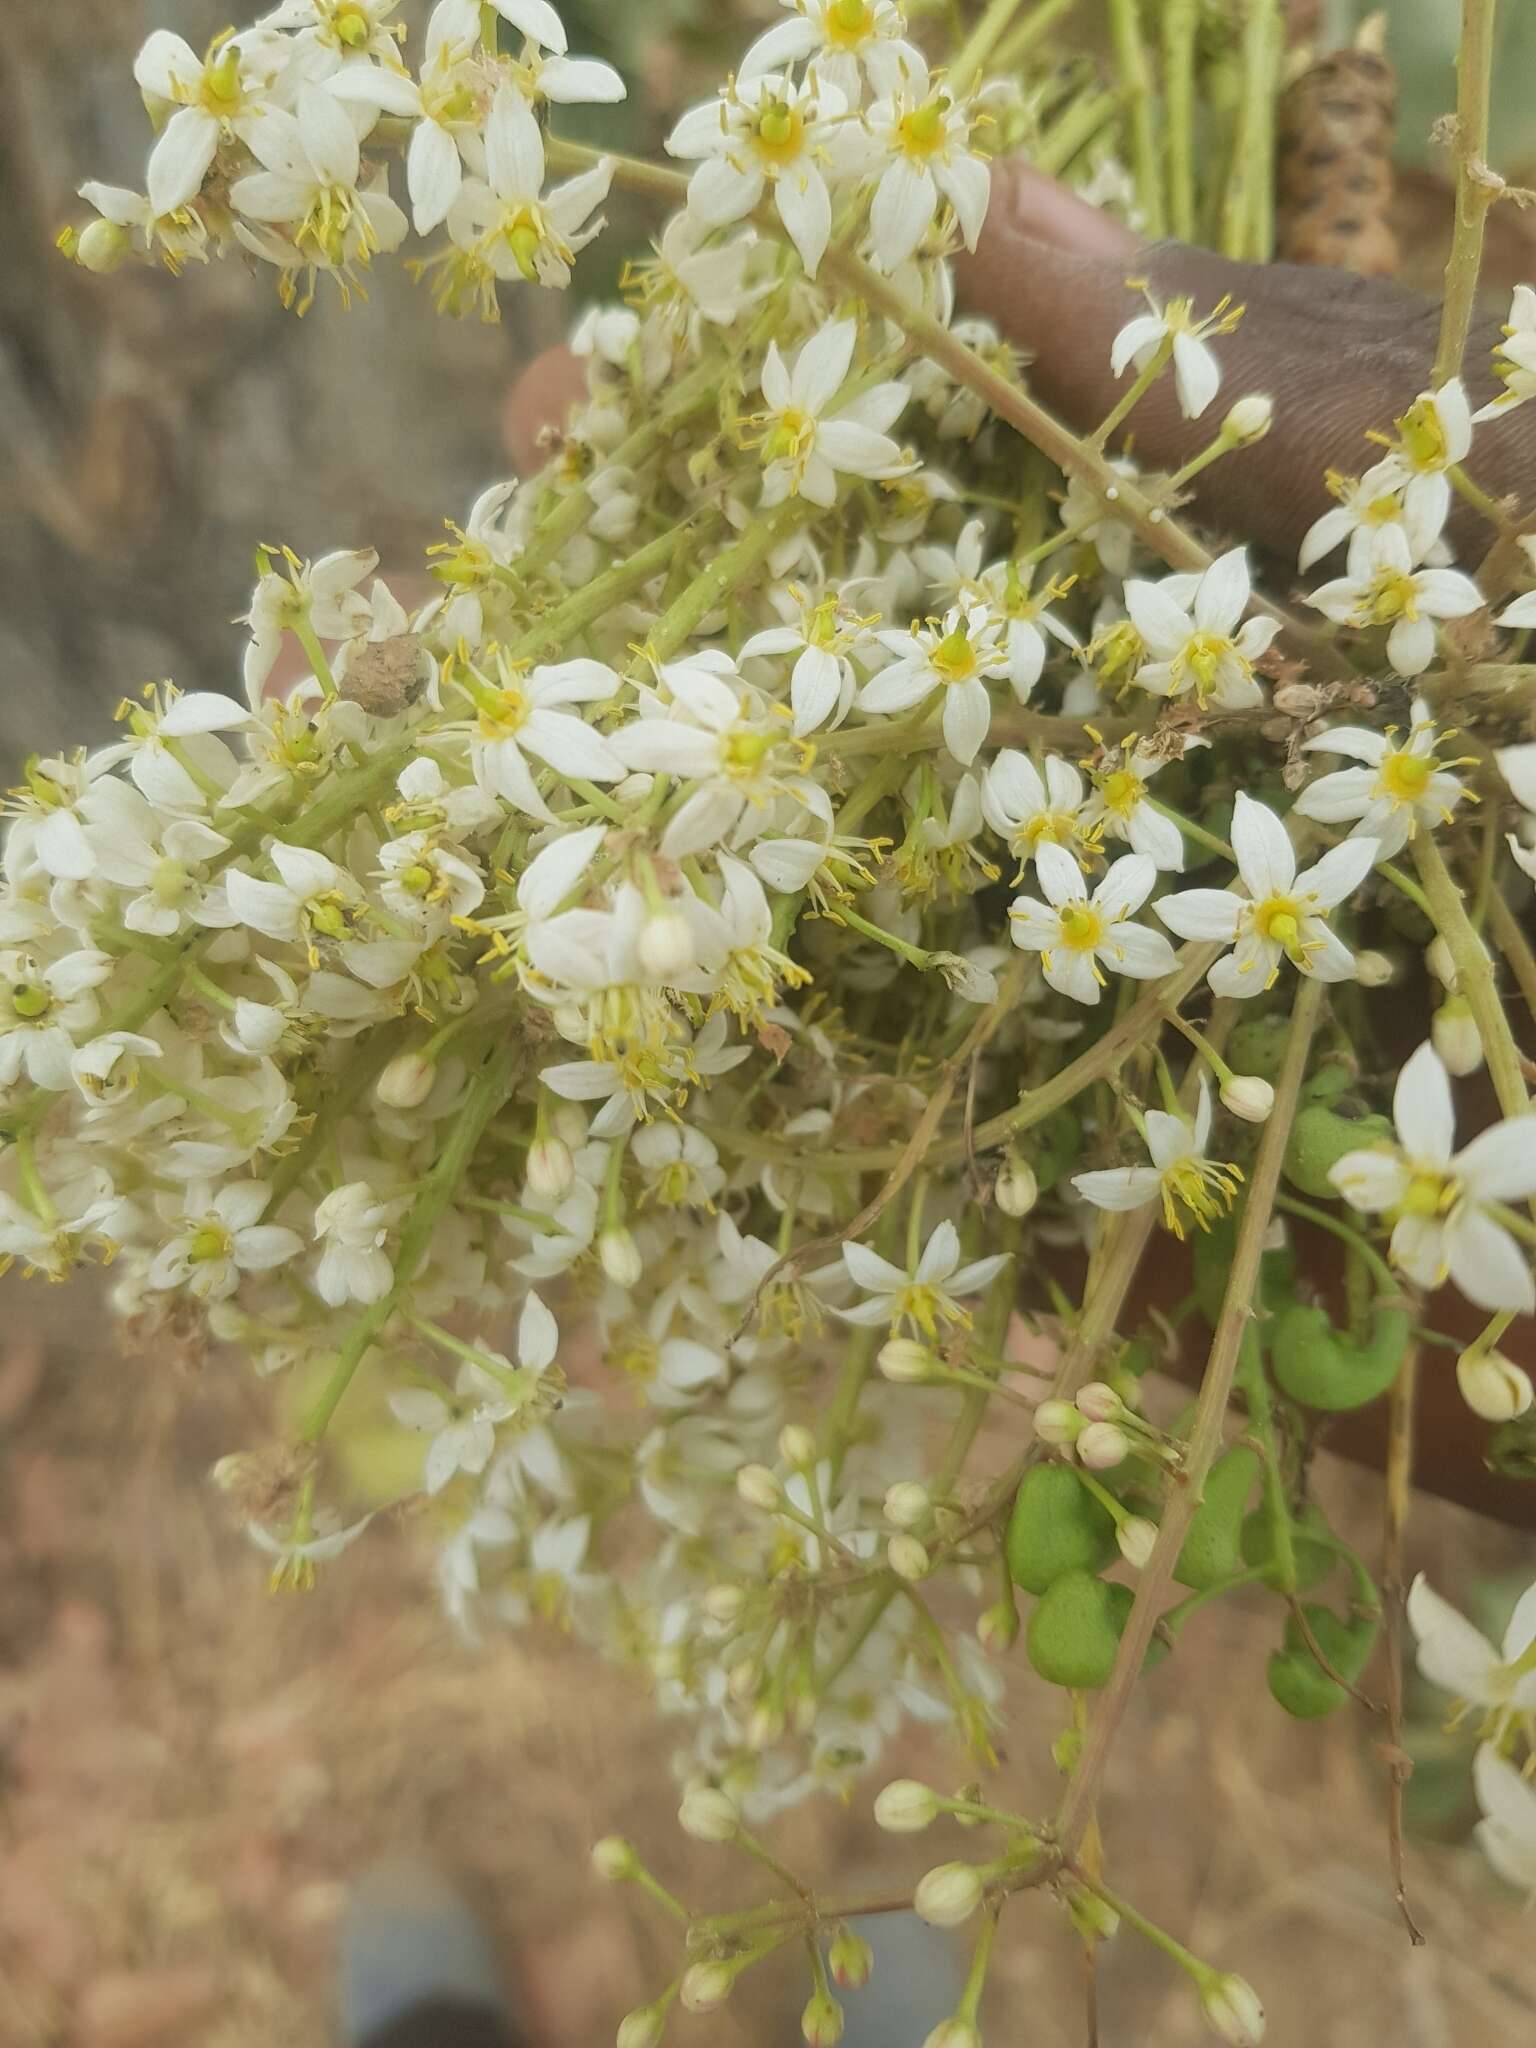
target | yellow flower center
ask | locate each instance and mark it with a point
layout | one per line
(1202, 657)
(1405, 776)
(1383, 511)
(1279, 918)
(503, 713)
(221, 93)
(30, 1000)
(780, 132)
(1199, 1188)
(1121, 792)
(1429, 1194)
(793, 432)
(524, 236)
(926, 1307)
(416, 880)
(1423, 435)
(743, 751)
(1059, 827)
(351, 26)
(1392, 596)
(922, 132)
(849, 21)
(209, 1243)
(955, 657)
(1082, 927)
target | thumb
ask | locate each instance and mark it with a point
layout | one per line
(1338, 354)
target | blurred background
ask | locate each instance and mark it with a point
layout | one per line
(190, 1770)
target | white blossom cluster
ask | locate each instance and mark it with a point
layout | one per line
(506, 1018)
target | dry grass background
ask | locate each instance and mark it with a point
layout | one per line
(189, 1769)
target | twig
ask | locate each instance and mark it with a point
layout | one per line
(1321, 1657)
(1511, 941)
(1205, 1437)
(1400, 1421)
(1474, 975)
(1476, 185)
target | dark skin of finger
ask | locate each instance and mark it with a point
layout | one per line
(1339, 355)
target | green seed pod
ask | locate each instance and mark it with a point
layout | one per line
(1056, 1526)
(1314, 1559)
(1213, 1548)
(1296, 1679)
(1324, 1368)
(1257, 1045)
(1075, 1630)
(1328, 1085)
(1320, 1137)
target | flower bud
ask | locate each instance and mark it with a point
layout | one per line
(614, 1859)
(102, 247)
(764, 1727)
(620, 1256)
(1492, 1385)
(905, 1807)
(1453, 1032)
(1249, 419)
(850, 1960)
(1136, 1536)
(1103, 1445)
(908, 1558)
(954, 2033)
(797, 1446)
(907, 1362)
(708, 1814)
(1058, 1422)
(1233, 2009)
(406, 1082)
(569, 1124)
(1016, 1189)
(906, 1503)
(1248, 1096)
(550, 1169)
(758, 1487)
(948, 1894)
(1373, 969)
(1099, 1402)
(1437, 958)
(706, 1986)
(997, 1628)
(822, 2021)
(665, 946)
(642, 2028)
(724, 1603)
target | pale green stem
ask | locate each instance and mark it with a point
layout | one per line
(1135, 71)
(1475, 188)
(1474, 975)
(1082, 121)
(1180, 18)
(991, 25)
(1029, 32)
(1132, 396)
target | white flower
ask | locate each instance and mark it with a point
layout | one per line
(221, 1236)
(309, 189)
(1441, 1228)
(804, 451)
(313, 898)
(764, 130)
(1180, 1175)
(1518, 349)
(922, 136)
(1198, 645)
(1196, 372)
(225, 94)
(925, 1297)
(1390, 592)
(1434, 434)
(296, 1556)
(1522, 612)
(44, 1007)
(1120, 806)
(1366, 505)
(1030, 809)
(1506, 1834)
(1461, 1661)
(845, 37)
(535, 19)
(1078, 935)
(1399, 788)
(321, 597)
(821, 636)
(160, 860)
(463, 1427)
(352, 1226)
(444, 106)
(507, 223)
(427, 883)
(1004, 587)
(525, 713)
(958, 657)
(1285, 914)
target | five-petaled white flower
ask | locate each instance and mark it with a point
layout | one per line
(844, 37)
(1389, 591)
(1078, 935)
(1366, 505)
(524, 713)
(804, 449)
(922, 136)
(222, 1236)
(1175, 330)
(1434, 434)
(1400, 787)
(925, 1298)
(506, 221)
(1283, 917)
(958, 657)
(1437, 1198)
(1461, 1661)
(1506, 1834)
(1004, 587)
(1180, 1175)
(764, 131)
(312, 899)
(352, 1227)
(1518, 351)
(463, 1426)
(444, 106)
(1120, 806)
(224, 94)
(1198, 642)
(44, 1006)
(1030, 808)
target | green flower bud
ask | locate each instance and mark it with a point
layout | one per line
(905, 1807)
(949, 1893)
(708, 1814)
(850, 1960)
(614, 1859)
(821, 2023)
(1232, 2007)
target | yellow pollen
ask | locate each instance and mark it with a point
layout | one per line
(780, 132)
(1392, 597)
(793, 432)
(209, 1243)
(849, 21)
(503, 713)
(954, 657)
(1082, 927)
(1405, 776)
(922, 131)
(1429, 1194)
(1121, 792)
(1423, 435)
(1199, 1188)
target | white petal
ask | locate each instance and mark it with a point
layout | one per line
(514, 150)
(903, 205)
(1265, 858)
(433, 174)
(538, 1335)
(1452, 1653)
(1201, 913)
(180, 159)
(536, 18)
(1119, 1187)
(1486, 1263)
(805, 207)
(1499, 1165)
(1423, 1108)
(822, 365)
